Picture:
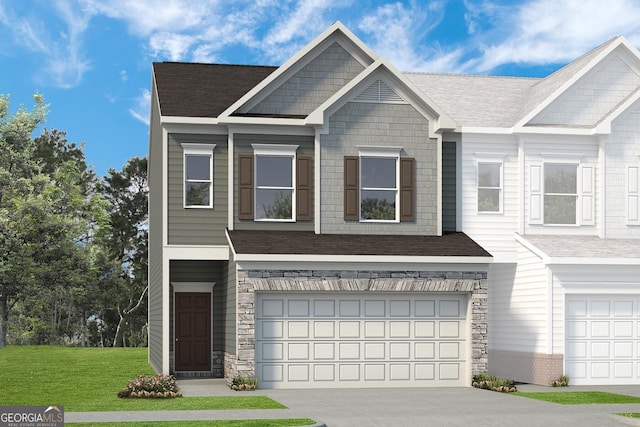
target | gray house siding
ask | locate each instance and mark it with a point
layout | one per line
(378, 125)
(242, 145)
(156, 324)
(313, 84)
(230, 309)
(194, 226)
(448, 186)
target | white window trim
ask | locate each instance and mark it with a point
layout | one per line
(196, 149)
(559, 161)
(386, 152)
(633, 195)
(499, 188)
(276, 150)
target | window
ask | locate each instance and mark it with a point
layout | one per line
(198, 175)
(379, 188)
(274, 182)
(633, 195)
(560, 193)
(490, 187)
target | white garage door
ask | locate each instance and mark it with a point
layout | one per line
(347, 340)
(602, 339)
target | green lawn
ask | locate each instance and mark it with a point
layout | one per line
(89, 379)
(285, 422)
(580, 397)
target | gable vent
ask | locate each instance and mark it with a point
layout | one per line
(380, 92)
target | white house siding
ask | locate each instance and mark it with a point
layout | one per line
(313, 84)
(539, 149)
(594, 95)
(493, 231)
(378, 125)
(622, 150)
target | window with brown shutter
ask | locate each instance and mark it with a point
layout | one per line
(351, 188)
(245, 186)
(304, 205)
(407, 189)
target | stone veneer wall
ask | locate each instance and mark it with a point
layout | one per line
(250, 281)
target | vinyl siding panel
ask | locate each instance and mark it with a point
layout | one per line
(230, 308)
(378, 125)
(622, 152)
(493, 231)
(242, 146)
(313, 84)
(518, 305)
(155, 297)
(195, 226)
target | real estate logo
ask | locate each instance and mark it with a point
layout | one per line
(31, 416)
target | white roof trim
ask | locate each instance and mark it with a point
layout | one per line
(362, 259)
(618, 41)
(429, 108)
(336, 28)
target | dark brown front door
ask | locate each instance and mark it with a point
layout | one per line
(193, 331)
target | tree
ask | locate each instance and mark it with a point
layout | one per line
(125, 256)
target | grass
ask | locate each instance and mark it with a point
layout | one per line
(283, 422)
(89, 379)
(630, 414)
(580, 397)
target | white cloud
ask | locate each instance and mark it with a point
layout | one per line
(141, 108)
(548, 31)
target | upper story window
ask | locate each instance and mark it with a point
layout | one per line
(633, 195)
(275, 174)
(198, 175)
(560, 193)
(379, 188)
(489, 187)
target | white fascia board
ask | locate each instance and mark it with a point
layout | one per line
(531, 248)
(294, 62)
(604, 128)
(197, 252)
(577, 76)
(369, 259)
(592, 261)
(359, 266)
(188, 120)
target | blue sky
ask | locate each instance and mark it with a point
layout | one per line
(91, 59)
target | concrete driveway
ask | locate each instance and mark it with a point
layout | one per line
(398, 407)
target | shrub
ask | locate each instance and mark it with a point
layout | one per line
(491, 382)
(563, 381)
(244, 383)
(157, 386)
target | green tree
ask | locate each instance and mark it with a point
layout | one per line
(125, 250)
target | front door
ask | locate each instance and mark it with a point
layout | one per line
(193, 331)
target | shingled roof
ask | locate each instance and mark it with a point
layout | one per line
(309, 243)
(203, 90)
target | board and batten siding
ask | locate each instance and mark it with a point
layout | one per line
(156, 221)
(520, 312)
(494, 231)
(242, 146)
(448, 186)
(359, 124)
(316, 82)
(197, 226)
(203, 271)
(622, 151)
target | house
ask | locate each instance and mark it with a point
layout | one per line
(334, 222)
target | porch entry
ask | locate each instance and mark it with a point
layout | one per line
(192, 331)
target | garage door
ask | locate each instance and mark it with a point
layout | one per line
(602, 339)
(350, 340)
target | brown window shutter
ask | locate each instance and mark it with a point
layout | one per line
(351, 188)
(245, 186)
(407, 189)
(304, 205)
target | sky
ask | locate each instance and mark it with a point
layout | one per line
(91, 59)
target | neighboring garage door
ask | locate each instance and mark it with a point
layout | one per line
(602, 339)
(351, 340)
